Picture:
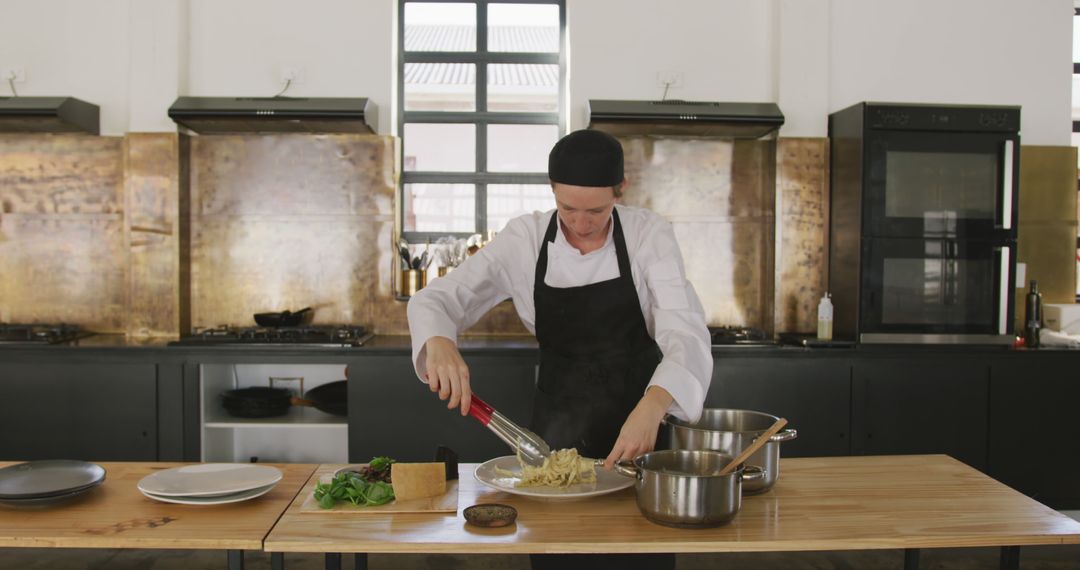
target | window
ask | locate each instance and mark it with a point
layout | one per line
(482, 99)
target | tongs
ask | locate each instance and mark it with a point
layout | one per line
(531, 448)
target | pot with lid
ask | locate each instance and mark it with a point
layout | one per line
(683, 488)
(731, 431)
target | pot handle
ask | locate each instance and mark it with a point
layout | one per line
(626, 467)
(752, 473)
(786, 435)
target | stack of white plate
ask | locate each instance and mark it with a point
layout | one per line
(210, 483)
(45, 482)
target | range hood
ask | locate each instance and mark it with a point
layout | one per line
(48, 115)
(685, 118)
(228, 115)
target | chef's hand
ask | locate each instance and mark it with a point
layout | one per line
(447, 373)
(638, 433)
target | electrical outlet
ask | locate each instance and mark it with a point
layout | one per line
(669, 78)
(14, 74)
(292, 73)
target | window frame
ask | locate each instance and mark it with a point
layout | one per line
(480, 117)
(1076, 129)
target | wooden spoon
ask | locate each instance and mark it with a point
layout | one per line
(760, 441)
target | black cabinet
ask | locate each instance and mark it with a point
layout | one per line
(925, 403)
(391, 412)
(813, 394)
(67, 410)
(1033, 405)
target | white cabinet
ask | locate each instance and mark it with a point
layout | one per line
(303, 435)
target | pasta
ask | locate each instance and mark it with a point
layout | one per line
(560, 469)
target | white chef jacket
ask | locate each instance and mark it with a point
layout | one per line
(506, 268)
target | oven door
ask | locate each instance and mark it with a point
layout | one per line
(941, 184)
(937, 291)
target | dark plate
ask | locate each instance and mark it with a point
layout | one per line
(50, 500)
(490, 515)
(48, 478)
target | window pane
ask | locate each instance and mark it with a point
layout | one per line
(519, 87)
(440, 87)
(520, 148)
(440, 27)
(1076, 97)
(506, 201)
(1076, 39)
(440, 208)
(523, 28)
(440, 148)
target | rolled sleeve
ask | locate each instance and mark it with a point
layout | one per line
(678, 322)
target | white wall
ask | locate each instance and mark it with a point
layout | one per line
(132, 57)
(722, 49)
(1012, 52)
(67, 47)
(343, 48)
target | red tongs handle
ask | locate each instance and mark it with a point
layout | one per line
(480, 410)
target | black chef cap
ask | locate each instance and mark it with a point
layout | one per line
(586, 158)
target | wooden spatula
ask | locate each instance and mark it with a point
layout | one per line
(760, 441)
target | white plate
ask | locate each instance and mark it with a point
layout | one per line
(215, 500)
(209, 479)
(606, 482)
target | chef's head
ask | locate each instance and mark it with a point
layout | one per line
(586, 172)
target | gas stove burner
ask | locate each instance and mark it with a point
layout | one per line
(738, 335)
(310, 335)
(41, 333)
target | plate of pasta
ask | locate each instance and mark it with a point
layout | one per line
(565, 476)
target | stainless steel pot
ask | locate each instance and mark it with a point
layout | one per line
(682, 488)
(730, 431)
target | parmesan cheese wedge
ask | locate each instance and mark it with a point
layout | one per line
(418, 480)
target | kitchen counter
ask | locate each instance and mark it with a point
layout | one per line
(141, 400)
(838, 503)
(390, 344)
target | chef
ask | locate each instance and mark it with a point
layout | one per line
(621, 331)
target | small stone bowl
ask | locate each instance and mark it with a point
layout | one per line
(490, 515)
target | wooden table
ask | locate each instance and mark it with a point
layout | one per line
(834, 503)
(117, 515)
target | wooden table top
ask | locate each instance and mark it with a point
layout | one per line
(117, 515)
(834, 503)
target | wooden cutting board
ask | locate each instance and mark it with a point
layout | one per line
(445, 503)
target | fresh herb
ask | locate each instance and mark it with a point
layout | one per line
(366, 486)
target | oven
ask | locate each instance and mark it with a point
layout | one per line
(923, 215)
(955, 184)
(936, 291)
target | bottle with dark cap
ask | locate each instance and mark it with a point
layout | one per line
(1033, 321)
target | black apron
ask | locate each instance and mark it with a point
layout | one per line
(596, 355)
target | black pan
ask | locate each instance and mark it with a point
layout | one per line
(283, 319)
(261, 402)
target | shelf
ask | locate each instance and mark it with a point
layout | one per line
(297, 417)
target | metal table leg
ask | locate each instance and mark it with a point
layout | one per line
(1010, 558)
(236, 559)
(333, 561)
(277, 561)
(911, 559)
(360, 561)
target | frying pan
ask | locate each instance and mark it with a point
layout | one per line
(262, 402)
(283, 319)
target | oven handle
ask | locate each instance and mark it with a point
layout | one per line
(1007, 186)
(1004, 289)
